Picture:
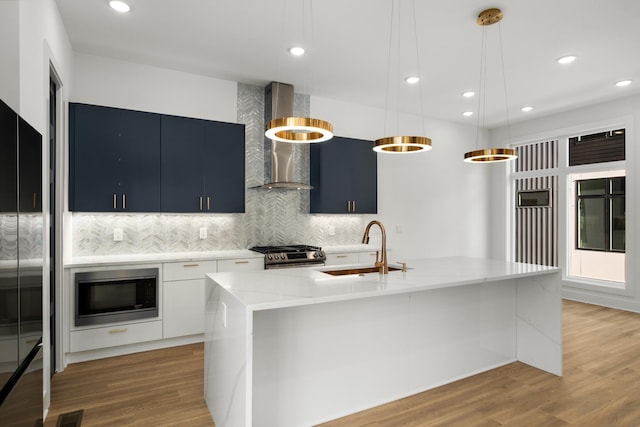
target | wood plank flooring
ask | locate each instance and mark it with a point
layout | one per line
(600, 386)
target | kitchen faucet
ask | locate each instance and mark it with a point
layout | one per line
(382, 264)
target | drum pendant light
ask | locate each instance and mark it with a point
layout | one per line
(299, 129)
(402, 144)
(490, 155)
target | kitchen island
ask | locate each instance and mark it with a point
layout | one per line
(297, 347)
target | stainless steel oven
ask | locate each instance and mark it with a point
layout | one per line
(116, 296)
(287, 256)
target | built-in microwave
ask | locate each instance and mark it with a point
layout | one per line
(115, 296)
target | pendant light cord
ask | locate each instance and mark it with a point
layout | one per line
(504, 81)
(482, 85)
(415, 32)
(386, 102)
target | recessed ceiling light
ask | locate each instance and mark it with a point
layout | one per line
(567, 59)
(468, 94)
(296, 51)
(119, 6)
(468, 113)
(623, 83)
(526, 109)
(412, 80)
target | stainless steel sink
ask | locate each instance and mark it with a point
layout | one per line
(361, 270)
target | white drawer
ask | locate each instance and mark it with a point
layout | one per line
(341, 259)
(187, 270)
(247, 264)
(91, 339)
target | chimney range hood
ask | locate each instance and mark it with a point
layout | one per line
(278, 102)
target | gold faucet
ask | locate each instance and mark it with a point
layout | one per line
(382, 264)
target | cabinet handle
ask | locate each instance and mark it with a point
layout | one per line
(124, 201)
(208, 203)
(200, 202)
(34, 200)
(191, 265)
(348, 205)
(115, 201)
(342, 256)
(242, 262)
(353, 204)
(118, 331)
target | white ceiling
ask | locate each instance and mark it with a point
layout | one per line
(348, 46)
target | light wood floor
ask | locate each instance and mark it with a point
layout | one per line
(600, 386)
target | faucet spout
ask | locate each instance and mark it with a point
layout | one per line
(381, 259)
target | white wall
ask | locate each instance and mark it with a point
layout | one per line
(624, 112)
(432, 203)
(10, 54)
(104, 81)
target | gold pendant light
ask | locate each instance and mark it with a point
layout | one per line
(490, 155)
(402, 144)
(299, 129)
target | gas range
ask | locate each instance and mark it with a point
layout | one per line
(291, 256)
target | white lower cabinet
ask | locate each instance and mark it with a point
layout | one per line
(111, 336)
(341, 259)
(183, 296)
(248, 264)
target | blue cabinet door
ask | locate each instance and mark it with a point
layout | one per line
(30, 168)
(182, 164)
(114, 159)
(364, 177)
(344, 176)
(224, 154)
(8, 159)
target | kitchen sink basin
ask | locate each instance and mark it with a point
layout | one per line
(362, 270)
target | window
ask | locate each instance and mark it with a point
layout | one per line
(600, 216)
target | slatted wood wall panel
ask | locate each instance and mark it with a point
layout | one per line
(536, 235)
(585, 151)
(537, 156)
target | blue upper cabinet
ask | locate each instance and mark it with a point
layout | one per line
(344, 177)
(8, 159)
(30, 168)
(202, 166)
(224, 154)
(114, 160)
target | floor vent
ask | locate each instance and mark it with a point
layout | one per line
(70, 419)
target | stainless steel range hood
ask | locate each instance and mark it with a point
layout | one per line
(278, 102)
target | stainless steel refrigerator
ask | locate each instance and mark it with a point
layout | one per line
(21, 263)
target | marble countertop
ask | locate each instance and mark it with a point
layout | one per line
(280, 288)
(87, 261)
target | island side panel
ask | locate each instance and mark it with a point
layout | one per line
(227, 336)
(540, 322)
(461, 331)
(322, 361)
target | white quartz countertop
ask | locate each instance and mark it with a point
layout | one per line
(86, 261)
(280, 288)
(97, 260)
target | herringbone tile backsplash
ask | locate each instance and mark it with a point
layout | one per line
(272, 217)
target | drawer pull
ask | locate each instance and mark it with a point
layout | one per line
(342, 256)
(242, 262)
(117, 331)
(191, 265)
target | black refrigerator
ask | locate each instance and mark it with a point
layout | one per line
(21, 263)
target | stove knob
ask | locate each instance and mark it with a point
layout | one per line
(269, 257)
(315, 255)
